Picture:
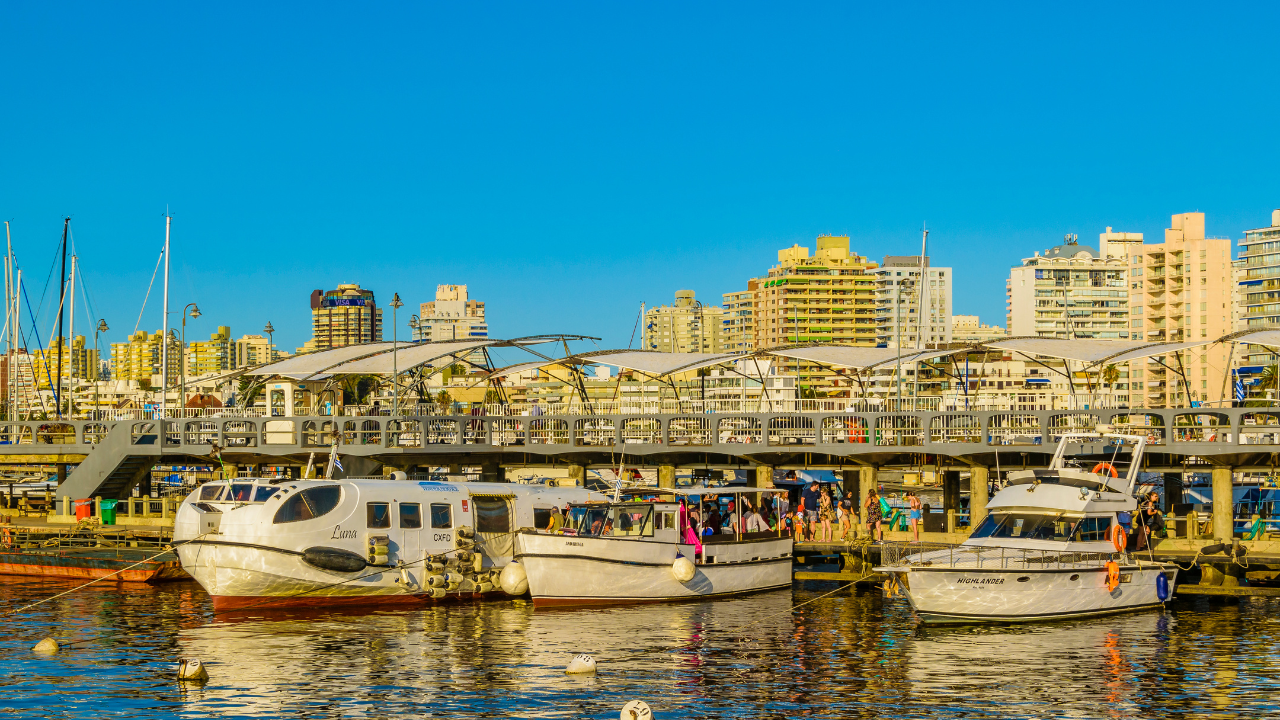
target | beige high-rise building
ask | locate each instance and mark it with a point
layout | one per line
(346, 316)
(1181, 290)
(1069, 291)
(684, 326)
(453, 315)
(739, 319)
(901, 298)
(968, 329)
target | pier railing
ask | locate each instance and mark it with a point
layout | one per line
(945, 556)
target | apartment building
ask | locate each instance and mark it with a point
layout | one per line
(909, 313)
(453, 315)
(969, 330)
(1257, 296)
(684, 326)
(139, 358)
(346, 316)
(1071, 291)
(216, 355)
(79, 359)
(739, 319)
(1181, 290)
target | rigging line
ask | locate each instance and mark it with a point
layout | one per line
(40, 344)
(639, 317)
(47, 280)
(148, 295)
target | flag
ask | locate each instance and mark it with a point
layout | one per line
(1239, 386)
(338, 463)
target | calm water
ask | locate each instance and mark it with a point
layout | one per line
(852, 654)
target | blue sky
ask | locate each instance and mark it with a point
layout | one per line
(568, 161)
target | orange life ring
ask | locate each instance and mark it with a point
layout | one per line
(1118, 538)
(1106, 466)
(1113, 574)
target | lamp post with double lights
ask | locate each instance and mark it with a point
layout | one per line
(97, 370)
(395, 369)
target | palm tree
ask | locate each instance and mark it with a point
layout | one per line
(1270, 380)
(1110, 375)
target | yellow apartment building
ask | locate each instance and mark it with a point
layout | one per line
(739, 319)
(684, 326)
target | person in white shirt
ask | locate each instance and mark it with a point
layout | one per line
(756, 523)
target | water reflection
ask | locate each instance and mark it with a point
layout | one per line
(851, 654)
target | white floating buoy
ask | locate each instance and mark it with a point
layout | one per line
(683, 569)
(636, 710)
(581, 665)
(513, 579)
(47, 646)
(192, 671)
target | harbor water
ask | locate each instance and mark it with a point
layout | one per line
(845, 654)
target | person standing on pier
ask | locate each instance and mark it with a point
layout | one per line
(846, 514)
(809, 503)
(914, 513)
(825, 513)
(874, 516)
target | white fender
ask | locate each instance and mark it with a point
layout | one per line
(581, 665)
(636, 710)
(513, 579)
(683, 569)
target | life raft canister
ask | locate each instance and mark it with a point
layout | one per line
(1106, 466)
(1113, 575)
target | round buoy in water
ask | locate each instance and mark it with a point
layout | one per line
(513, 579)
(47, 646)
(581, 665)
(683, 569)
(192, 671)
(636, 710)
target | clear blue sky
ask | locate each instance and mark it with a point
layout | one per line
(570, 161)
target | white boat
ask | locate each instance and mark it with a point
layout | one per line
(1049, 548)
(635, 550)
(281, 542)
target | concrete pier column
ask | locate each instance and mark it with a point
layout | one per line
(978, 495)
(849, 482)
(61, 468)
(866, 481)
(1222, 504)
(578, 474)
(492, 472)
(764, 476)
(951, 490)
(666, 476)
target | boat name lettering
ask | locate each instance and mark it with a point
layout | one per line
(340, 534)
(442, 537)
(433, 485)
(574, 544)
(981, 581)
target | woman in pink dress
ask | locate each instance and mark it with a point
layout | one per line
(687, 529)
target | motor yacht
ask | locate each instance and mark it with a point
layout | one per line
(1051, 546)
(281, 542)
(645, 546)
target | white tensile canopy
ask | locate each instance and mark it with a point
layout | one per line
(855, 357)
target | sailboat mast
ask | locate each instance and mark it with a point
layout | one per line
(71, 335)
(164, 331)
(921, 327)
(62, 296)
(9, 307)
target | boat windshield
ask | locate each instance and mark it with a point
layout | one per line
(631, 519)
(1023, 526)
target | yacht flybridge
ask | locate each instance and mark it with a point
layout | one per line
(1051, 546)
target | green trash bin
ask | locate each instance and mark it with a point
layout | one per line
(109, 512)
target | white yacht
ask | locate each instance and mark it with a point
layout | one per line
(280, 542)
(1050, 547)
(640, 548)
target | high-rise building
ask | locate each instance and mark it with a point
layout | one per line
(1071, 291)
(139, 358)
(253, 350)
(830, 297)
(1257, 297)
(346, 316)
(216, 355)
(968, 329)
(452, 316)
(900, 301)
(739, 319)
(1181, 290)
(78, 362)
(684, 326)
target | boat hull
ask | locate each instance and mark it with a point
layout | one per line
(567, 570)
(87, 565)
(970, 595)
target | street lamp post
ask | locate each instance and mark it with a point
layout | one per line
(182, 356)
(271, 349)
(415, 324)
(97, 370)
(395, 368)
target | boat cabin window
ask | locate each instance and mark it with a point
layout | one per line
(441, 516)
(1022, 526)
(632, 520)
(541, 517)
(410, 516)
(1091, 529)
(212, 491)
(242, 492)
(310, 503)
(667, 520)
(264, 492)
(378, 515)
(492, 514)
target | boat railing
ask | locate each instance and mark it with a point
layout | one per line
(943, 555)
